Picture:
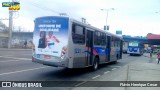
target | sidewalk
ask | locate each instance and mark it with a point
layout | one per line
(145, 69)
(15, 49)
(148, 55)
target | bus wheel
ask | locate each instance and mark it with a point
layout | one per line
(95, 64)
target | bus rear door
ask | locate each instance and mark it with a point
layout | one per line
(89, 47)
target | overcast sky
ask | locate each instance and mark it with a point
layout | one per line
(133, 17)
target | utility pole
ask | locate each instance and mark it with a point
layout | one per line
(10, 27)
(11, 11)
(107, 10)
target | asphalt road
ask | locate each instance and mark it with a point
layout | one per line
(16, 65)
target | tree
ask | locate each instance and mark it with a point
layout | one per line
(3, 27)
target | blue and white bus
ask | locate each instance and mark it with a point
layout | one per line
(64, 42)
(135, 47)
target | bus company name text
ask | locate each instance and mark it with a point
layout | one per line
(23, 84)
(50, 27)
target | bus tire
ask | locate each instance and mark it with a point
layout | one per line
(95, 64)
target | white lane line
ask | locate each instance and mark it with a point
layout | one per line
(16, 58)
(106, 72)
(96, 76)
(6, 55)
(80, 84)
(26, 54)
(13, 61)
(114, 69)
(22, 71)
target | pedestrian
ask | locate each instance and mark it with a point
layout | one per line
(25, 44)
(158, 57)
(150, 53)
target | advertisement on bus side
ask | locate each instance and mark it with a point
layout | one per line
(50, 35)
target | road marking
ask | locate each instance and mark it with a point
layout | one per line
(16, 58)
(26, 54)
(22, 71)
(80, 84)
(6, 55)
(114, 69)
(106, 72)
(96, 76)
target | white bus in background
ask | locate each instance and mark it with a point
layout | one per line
(64, 42)
(135, 47)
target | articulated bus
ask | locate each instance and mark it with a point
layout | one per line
(64, 42)
(135, 47)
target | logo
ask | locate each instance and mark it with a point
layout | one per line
(6, 84)
(11, 5)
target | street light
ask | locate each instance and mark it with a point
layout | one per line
(107, 10)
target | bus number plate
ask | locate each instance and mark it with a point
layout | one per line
(47, 56)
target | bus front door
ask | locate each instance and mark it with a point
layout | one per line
(108, 47)
(89, 48)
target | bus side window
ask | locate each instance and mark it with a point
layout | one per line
(97, 38)
(78, 34)
(112, 42)
(106, 40)
(118, 43)
(103, 39)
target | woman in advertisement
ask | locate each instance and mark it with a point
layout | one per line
(42, 40)
(51, 40)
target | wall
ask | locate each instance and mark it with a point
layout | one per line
(18, 39)
(3, 42)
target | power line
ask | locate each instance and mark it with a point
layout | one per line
(43, 7)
